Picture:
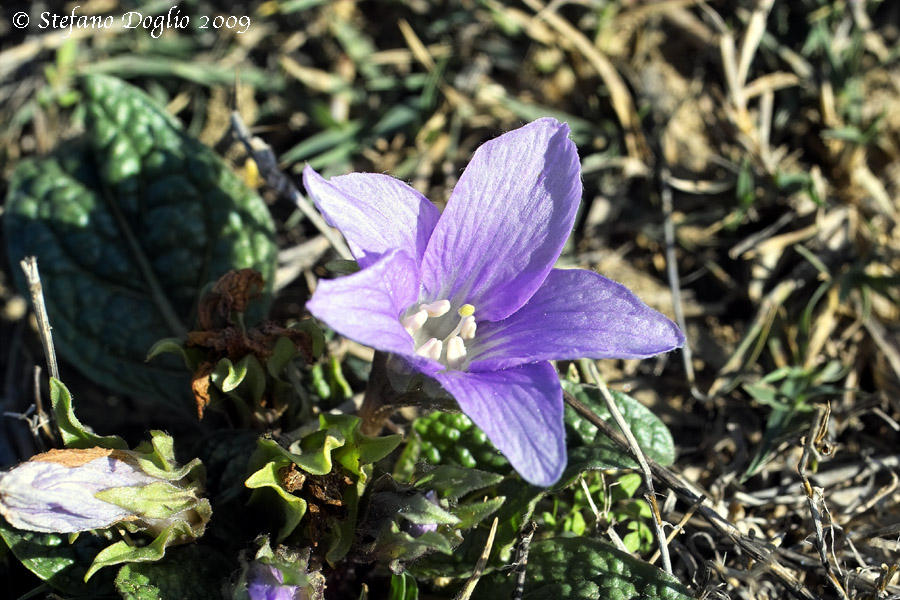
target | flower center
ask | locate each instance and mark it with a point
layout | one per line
(438, 334)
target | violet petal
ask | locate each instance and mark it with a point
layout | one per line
(575, 314)
(506, 222)
(366, 306)
(375, 212)
(521, 412)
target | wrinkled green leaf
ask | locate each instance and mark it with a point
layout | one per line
(129, 223)
(588, 449)
(292, 508)
(159, 500)
(157, 458)
(586, 569)
(244, 379)
(186, 572)
(337, 444)
(190, 356)
(54, 559)
(360, 449)
(343, 531)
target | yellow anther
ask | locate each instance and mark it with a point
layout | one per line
(466, 310)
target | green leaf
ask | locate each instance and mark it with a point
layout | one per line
(186, 572)
(318, 448)
(403, 587)
(157, 458)
(282, 354)
(341, 266)
(73, 433)
(189, 356)
(360, 449)
(590, 450)
(245, 380)
(315, 332)
(129, 223)
(54, 559)
(473, 513)
(586, 569)
(123, 552)
(343, 531)
(292, 508)
(454, 482)
(159, 500)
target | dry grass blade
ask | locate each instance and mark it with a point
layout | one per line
(635, 450)
(33, 277)
(687, 356)
(618, 91)
(816, 497)
(762, 553)
(466, 592)
(268, 167)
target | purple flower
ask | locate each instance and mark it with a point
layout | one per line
(470, 297)
(266, 582)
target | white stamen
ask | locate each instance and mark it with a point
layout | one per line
(431, 349)
(456, 351)
(438, 308)
(467, 329)
(414, 322)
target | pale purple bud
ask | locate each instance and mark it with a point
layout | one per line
(55, 492)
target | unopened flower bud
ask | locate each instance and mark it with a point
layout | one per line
(74, 490)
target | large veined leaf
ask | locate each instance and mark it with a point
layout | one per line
(129, 223)
(587, 569)
(590, 449)
(56, 560)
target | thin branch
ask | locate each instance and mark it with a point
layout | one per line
(522, 550)
(642, 461)
(36, 290)
(760, 552)
(680, 526)
(466, 592)
(814, 496)
(262, 154)
(687, 356)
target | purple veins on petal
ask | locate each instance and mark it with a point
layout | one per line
(576, 314)
(521, 412)
(507, 220)
(376, 213)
